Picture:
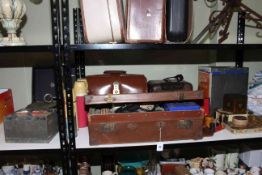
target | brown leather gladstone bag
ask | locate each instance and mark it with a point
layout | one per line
(116, 82)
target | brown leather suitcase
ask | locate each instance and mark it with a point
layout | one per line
(145, 21)
(144, 127)
(175, 83)
(116, 82)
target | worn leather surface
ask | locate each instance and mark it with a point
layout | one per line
(144, 97)
(178, 20)
(102, 21)
(162, 86)
(145, 21)
(103, 84)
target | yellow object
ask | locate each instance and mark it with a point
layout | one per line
(208, 120)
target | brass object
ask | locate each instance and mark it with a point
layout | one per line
(185, 124)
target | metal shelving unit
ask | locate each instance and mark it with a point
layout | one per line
(79, 51)
(63, 52)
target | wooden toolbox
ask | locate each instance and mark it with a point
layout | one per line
(107, 127)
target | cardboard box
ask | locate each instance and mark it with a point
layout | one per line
(6, 103)
(217, 81)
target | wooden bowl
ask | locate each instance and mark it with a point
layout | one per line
(240, 121)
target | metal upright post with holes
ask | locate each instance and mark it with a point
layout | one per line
(56, 37)
(79, 39)
(68, 88)
(240, 39)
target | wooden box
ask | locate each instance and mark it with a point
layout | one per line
(145, 127)
(130, 127)
(235, 103)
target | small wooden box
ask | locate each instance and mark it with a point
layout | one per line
(26, 126)
(235, 103)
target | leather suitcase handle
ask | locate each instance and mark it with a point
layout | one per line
(114, 72)
(178, 78)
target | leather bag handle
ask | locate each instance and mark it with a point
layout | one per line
(114, 72)
(178, 78)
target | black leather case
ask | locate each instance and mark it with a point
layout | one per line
(177, 20)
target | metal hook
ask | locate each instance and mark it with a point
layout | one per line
(259, 34)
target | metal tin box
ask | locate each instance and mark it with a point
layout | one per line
(24, 126)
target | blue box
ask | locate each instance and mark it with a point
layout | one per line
(181, 106)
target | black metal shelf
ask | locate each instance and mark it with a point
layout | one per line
(26, 56)
(143, 54)
(26, 48)
(86, 47)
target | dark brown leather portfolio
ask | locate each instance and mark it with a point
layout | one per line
(145, 21)
(179, 20)
(116, 82)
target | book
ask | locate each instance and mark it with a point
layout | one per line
(6, 103)
(181, 106)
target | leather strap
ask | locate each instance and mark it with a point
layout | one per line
(114, 72)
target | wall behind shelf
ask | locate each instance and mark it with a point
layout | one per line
(20, 81)
(37, 31)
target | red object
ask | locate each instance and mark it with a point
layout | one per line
(168, 169)
(218, 128)
(206, 106)
(6, 103)
(81, 112)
